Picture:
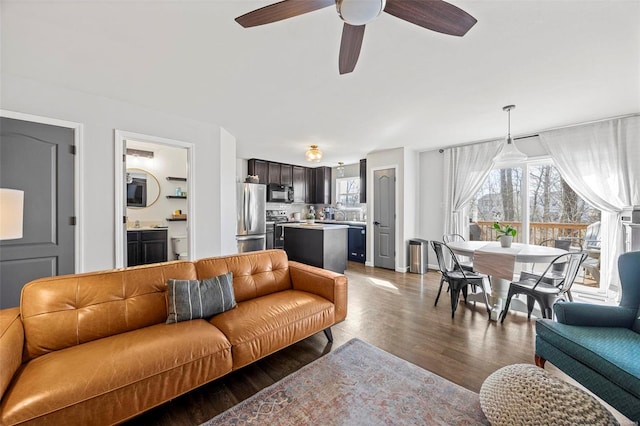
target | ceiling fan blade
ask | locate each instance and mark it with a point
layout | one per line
(435, 15)
(282, 10)
(350, 47)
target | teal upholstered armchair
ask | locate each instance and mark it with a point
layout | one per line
(599, 346)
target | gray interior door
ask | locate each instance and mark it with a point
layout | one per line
(37, 159)
(384, 218)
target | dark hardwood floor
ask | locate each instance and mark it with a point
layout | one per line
(392, 311)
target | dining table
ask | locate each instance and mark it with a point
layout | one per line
(499, 263)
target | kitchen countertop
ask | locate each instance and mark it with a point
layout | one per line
(148, 228)
(343, 222)
(315, 226)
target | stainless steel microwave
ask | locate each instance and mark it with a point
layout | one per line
(279, 193)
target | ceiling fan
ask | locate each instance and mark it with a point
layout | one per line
(435, 15)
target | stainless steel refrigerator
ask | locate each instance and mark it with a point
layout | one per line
(251, 212)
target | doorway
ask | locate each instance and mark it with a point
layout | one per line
(384, 218)
(154, 199)
(38, 157)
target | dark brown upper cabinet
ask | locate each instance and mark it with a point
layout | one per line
(299, 184)
(322, 185)
(259, 168)
(363, 180)
(286, 174)
(274, 173)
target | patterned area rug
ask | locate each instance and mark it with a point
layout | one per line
(358, 384)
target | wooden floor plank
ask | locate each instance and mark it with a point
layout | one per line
(392, 311)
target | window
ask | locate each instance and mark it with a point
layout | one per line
(348, 191)
(552, 210)
(555, 210)
(499, 199)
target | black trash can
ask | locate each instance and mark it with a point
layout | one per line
(418, 256)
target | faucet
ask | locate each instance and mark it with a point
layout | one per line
(344, 215)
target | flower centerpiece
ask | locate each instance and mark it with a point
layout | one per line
(505, 233)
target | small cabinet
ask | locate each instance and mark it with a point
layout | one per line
(299, 178)
(363, 180)
(310, 179)
(259, 168)
(322, 185)
(286, 174)
(357, 243)
(274, 173)
(146, 246)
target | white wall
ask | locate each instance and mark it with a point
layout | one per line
(405, 163)
(431, 204)
(227, 200)
(100, 117)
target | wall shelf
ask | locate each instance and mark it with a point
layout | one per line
(180, 179)
(182, 197)
(170, 219)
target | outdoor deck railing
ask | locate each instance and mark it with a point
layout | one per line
(538, 231)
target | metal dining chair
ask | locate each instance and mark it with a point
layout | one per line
(457, 278)
(465, 263)
(546, 292)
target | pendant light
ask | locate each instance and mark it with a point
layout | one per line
(313, 154)
(509, 152)
(340, 169)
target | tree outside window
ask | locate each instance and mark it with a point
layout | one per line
(348, 191)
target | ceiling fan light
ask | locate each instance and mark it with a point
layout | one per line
(359, 12)
(313, 154)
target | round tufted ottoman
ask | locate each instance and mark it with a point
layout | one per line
(523, 394)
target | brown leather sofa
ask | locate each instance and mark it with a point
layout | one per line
(95, 349)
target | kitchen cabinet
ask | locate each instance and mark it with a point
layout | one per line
(286, 172)
(259, 168)
(274, 173)
(310, 183)
(363, 180)
(324, 246)
(357, 243)
(299, 179)
(322, 185)
(146, 246)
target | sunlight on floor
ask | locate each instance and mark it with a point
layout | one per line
(384, 284)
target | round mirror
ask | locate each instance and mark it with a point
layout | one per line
(143, 188)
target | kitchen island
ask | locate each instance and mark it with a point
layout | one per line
(321, 245)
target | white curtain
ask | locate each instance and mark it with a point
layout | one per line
(601, 162)
(466, 168)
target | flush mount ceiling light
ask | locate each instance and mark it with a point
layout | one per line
(313, 154)
(509, 153)
(358, 12)
(139, 153)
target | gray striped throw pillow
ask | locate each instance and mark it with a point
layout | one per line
(191, 299)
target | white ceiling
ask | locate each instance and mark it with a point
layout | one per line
(277, 87)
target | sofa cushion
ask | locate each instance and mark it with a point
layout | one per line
(610, 351)
(636, 324)
(111, 379)
(192, 299)
(255, 273)
(261, 326)
(67, 310)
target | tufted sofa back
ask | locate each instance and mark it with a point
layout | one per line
(63, 311)
(255, 274)
(58, 312)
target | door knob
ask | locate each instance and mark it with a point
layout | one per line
(375, 222)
